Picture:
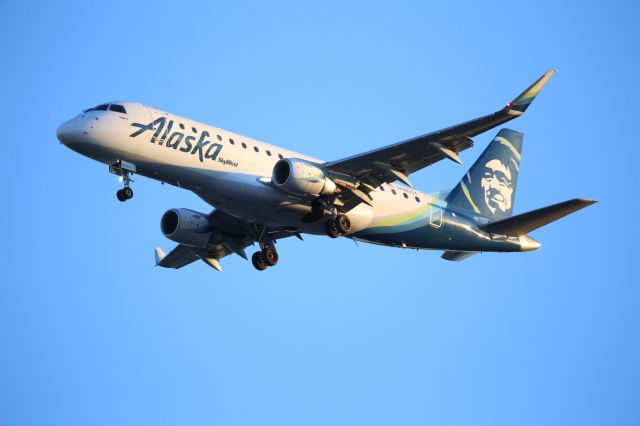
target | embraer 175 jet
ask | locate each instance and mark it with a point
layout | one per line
(262, 193)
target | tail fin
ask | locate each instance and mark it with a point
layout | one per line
(489, 187)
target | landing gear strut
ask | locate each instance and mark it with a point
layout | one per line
(124, 170)
(338, 226)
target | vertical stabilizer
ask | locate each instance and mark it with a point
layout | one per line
(489, 187)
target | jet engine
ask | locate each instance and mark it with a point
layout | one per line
(186, 227)
(301, 177)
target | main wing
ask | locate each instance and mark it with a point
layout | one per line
(232, 235)
(362, 173)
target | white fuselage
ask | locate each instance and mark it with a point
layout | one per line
(230, 171)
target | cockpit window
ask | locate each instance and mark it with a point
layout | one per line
(102, 107)
(117, 108)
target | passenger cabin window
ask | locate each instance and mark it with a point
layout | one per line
(182, 126)
(393, 191)
(193, 129)
(280, 156)
(418, 199)
(244, 145)
(230, 140)
(220, 139)
(256, 149)
(405, 195)
(381, 188)
(268, 153)
(117, 108)
(206, 133)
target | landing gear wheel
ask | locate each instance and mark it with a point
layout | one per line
(127, 192)
(120, 195)
(343, 224)
(331, 229)
(270, 256)
(258, 261)
(317, 211)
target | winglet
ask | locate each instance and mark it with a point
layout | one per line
(522, 102)
(159, 255)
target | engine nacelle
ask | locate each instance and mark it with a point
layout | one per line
(186, 227)
(301, 177)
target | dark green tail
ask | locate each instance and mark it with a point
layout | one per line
(489, 187)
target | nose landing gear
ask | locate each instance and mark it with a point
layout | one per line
(124, 169)
(124, 194)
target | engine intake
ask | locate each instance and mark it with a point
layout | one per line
(186, 227)
(301, 177)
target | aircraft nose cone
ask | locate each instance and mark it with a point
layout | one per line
(66, 132)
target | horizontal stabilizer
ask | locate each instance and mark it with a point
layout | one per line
(524, 223)
(457, 256)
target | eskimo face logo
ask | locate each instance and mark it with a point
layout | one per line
(178, 141)
(496, 186)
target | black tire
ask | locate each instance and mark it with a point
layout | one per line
(330, 228)
(120, 196)
(270, 256)
(258, 261)
(127, 192)
(316, 213)
(343, 224)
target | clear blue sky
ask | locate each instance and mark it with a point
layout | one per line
(92, 334)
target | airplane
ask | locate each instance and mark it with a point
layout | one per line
(261, 193)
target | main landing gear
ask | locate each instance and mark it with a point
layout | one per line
(338, 226)
(124, 170)
(334, 228)
(261, 260)
(267, 256)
